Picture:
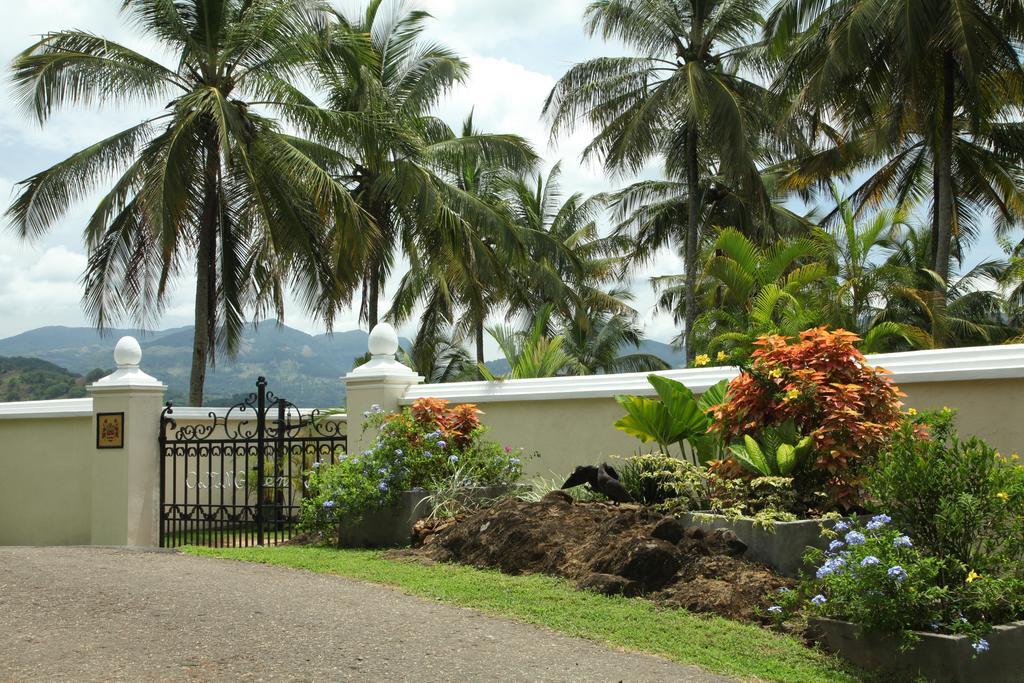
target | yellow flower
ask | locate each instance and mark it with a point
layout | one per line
(792, 394)
(911, 411)
(1015, 456)
(973, 576)
(722, 355)
(702, 360)
(1003, 495)
(776, 373)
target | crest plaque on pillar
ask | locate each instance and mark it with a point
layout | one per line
(109, 430)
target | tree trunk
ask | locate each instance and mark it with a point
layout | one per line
(373, 294)
(935, 211)
(944, 201)
(206, 274)
(479, 333)
(692, 235)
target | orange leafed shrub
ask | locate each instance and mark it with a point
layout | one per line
(826, 386)
(456, 423)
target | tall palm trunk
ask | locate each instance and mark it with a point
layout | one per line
(944, 204)
(205, 333)
(478, 332)
(944, 200)
(373, 293)
(935, 211)
(692, 230)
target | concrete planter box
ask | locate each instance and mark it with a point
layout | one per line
(936, 657)
(392, 526)
(781, 548)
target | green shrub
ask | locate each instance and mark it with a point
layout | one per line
(763, 499)
(958, 499)
(875, 576)
(424, 447)
(656, 479)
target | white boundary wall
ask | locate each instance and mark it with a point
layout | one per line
(569, 419)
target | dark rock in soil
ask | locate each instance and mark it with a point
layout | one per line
(627, 549)
(725, 542)
(669, 529)
(651, 562)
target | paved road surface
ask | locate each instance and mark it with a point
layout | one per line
(89, 614)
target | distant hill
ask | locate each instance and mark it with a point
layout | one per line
(301, 367)
(34, 379)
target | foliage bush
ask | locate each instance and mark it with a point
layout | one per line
(825, 387)
(959, 499)
(657, 479)
(877, 577)
(425, 447)
(762, 499)
(675, 486)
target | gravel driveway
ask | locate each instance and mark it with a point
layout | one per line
(84, 614)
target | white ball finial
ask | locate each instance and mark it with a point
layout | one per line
(383, 340)
(127, 353)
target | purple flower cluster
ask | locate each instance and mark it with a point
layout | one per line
(878, 521)
(831, 566)
(898, 573)
(855, 538)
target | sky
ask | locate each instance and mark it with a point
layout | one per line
(516, 49)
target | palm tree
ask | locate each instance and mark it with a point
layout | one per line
(683, 97)
(531, 353)
(596, 340)
(968, 310)
(438, 356)
(754, 291)
(398, 175)
(1013, 286)
(209, 179)
(569, 267)
(461, 281)
(925, 92)
(862, 283)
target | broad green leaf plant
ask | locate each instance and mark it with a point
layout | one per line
(676, 417)
(781, 453)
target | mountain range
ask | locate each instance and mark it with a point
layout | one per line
(301, 367)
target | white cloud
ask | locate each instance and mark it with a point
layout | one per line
(57, 265)
(478, 26)
(39, 287)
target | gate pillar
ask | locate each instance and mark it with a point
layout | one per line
(381, 382)
(126, 409)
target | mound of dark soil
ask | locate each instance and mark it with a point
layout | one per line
(625, 549)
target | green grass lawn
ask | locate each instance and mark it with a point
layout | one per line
(716, 644)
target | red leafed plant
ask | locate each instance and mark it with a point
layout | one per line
(827, 388)
(457, 423)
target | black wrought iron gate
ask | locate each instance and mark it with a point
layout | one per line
(237, 478)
